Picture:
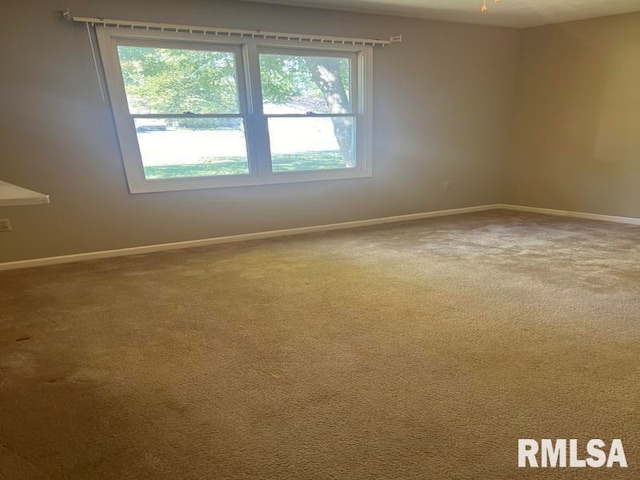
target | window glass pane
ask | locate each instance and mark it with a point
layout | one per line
(301, 84)
(192, 147)
(171, 80)
(308, 143)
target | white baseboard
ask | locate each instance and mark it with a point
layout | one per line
(568, 213)
(39, 262)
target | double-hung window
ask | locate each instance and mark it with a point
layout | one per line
(202, 112)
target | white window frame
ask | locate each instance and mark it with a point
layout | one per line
(250, 102)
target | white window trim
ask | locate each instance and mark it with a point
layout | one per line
(251, 106)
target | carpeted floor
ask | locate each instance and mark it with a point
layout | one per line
(419, 350)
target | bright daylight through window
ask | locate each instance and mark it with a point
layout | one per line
(196, 113)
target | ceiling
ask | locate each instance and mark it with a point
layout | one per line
(508, 13)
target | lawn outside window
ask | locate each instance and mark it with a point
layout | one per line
(196, 112)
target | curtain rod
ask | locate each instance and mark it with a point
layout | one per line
(227, 32)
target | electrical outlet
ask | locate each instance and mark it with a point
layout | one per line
(5, 225)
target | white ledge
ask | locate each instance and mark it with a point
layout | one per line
(12, 195)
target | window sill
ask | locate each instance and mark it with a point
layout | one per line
(231, 181)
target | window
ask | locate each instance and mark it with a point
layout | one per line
(193, 112)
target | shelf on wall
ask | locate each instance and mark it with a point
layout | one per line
(13, 195)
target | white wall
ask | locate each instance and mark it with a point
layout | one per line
(576, 132)
(442, 101)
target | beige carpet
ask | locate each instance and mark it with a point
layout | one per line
(420, 350)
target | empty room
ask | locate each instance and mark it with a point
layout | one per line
(320, 239)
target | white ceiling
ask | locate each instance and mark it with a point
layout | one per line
(507, 13)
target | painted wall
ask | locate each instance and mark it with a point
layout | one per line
(575, 141)
(442, 101)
